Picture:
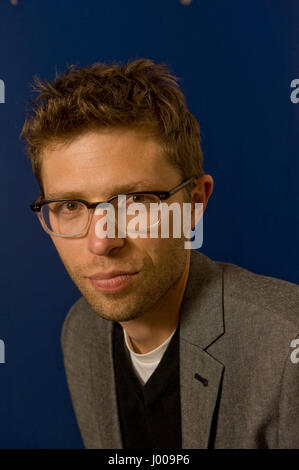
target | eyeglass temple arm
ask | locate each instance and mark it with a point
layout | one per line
(181, 186)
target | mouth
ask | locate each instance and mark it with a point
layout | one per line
(113, 281)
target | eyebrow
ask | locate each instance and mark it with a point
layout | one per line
(123, 189)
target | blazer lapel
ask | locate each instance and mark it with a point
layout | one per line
(200, 373)
(103, 387)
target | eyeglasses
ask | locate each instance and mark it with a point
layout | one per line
(72, 217)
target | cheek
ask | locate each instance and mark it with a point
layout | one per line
(68, 250)
(158, 250)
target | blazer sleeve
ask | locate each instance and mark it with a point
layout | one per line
(288, 429)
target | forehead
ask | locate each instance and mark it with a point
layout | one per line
(100, 160)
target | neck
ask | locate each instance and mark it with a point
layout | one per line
(153, 328)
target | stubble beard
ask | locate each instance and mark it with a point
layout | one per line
(150, 285)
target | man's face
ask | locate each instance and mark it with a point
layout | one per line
(94, 167)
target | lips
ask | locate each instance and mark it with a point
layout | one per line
(108, 275)
(112, 281)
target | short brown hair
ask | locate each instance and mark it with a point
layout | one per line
(140, 94)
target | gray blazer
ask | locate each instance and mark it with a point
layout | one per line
(235, 332)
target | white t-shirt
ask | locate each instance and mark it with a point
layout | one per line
(145, 364)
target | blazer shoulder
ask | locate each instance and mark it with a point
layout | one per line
(277, 296)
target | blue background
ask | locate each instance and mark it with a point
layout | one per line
(236, 60)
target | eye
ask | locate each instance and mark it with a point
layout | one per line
(71, 206)
(141, 198)
(138, 198)
(66, 207)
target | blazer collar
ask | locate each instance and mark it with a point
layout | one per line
(201, 317)
(201, 324)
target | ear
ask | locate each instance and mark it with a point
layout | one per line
(200, 195)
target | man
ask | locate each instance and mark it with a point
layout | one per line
(166, 348)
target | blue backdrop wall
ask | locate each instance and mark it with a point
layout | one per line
(237, 61)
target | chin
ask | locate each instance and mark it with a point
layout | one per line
(114, 307)
(109, 314)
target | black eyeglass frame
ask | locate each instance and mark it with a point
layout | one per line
(162, 195)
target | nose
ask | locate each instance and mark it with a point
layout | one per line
(100, 240)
